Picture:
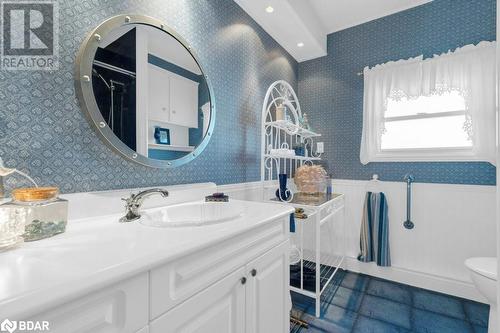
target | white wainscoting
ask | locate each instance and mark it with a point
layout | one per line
(452, 223)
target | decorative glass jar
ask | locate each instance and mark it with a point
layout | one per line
(311, 179)
(11, 227)
(45, 215)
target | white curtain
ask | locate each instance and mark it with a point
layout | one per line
(470, 70)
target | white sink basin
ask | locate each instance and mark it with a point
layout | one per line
(192, 214)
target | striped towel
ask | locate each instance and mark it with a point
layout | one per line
(374, 238)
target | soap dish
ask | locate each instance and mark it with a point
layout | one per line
(217, 197)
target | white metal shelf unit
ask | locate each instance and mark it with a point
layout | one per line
(280, 136)
(319, 239)
(320, 243)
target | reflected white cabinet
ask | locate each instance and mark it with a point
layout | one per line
(183, 101)
(158, 94)
(172, 98)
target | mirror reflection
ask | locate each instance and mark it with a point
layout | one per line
(151, 92)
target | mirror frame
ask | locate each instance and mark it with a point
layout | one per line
(88, 103)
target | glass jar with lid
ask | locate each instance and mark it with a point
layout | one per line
(11, 227)
(44, 213)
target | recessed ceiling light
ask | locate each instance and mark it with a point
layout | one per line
(269, 9)
(300, 44)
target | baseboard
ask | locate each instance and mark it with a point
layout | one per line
(417, 279)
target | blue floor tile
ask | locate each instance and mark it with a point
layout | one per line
(303, 303)
(356, 303)
(347, 298)
(340, 316)
(439, 303)
(383, 309)
(335, 319)
(430, 322)
(477, 313)
(355, 281)
(393, 291)
(330, 291)
(369, 325)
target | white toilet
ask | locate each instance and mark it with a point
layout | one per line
(484, 276)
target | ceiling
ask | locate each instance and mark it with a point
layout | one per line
(309, 22)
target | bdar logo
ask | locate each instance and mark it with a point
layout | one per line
(24, 325)
(8, 326)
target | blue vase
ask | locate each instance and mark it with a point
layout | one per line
(283, 193)
(299, 151)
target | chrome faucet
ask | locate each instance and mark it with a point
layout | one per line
(134, 202)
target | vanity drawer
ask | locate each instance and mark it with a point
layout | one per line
(118, 308)
(176, 281)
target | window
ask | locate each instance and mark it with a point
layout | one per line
(437, 109)
(426, 123)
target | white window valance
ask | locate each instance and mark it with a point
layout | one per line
(468, 71)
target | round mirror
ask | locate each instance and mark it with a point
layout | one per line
(144, 91)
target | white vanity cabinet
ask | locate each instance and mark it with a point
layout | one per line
(238, 284)
(252, 299)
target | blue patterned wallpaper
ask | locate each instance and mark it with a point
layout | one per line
(332, 94)
(43, 132)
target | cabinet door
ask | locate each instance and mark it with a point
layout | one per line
(267, 293)
(219, 308)
(183, 101)
(159, 94)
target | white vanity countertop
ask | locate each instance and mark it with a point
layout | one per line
(99, 251)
